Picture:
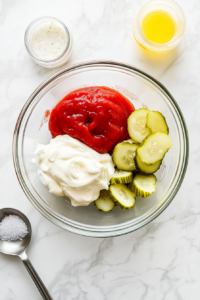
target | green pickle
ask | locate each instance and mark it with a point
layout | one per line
(122, 196)
(154, 147)
(156, 122)
(137, 125)
(143, 185)
(148, 169)
(121, 177)
(104, 201)
(124, 156)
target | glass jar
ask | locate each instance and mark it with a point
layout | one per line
(62, 57)
(170, 7)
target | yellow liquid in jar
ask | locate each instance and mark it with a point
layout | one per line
(158, 26)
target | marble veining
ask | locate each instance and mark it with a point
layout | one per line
(161, 260)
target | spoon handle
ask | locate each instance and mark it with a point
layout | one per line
(36, 278)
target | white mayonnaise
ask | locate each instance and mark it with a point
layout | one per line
(69, 167)
(49, 40)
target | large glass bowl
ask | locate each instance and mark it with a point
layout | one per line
(143, 91)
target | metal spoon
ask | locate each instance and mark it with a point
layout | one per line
(18, 248)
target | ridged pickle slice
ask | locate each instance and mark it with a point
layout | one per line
(148, 169)
(137, 125)
(143, 185)
(104, 202)
(122, 196)
(121, 177)
(156, 122)
(154, 148)
(124, 156)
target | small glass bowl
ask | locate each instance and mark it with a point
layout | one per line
(174, 10)
(53, 63)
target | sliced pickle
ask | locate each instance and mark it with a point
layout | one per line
(154, 148)
(121, 177)
(122, 196)
(104, 202)
(143, 185)
(156, 122)
(148, 169)
(137, 125)
(124, 156)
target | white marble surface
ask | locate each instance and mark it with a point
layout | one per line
(158, 262)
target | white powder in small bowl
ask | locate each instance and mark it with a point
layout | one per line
(12, 228)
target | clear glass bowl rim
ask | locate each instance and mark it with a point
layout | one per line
(69, 226)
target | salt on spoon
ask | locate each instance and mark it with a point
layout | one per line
(12, 228)
(15, 236)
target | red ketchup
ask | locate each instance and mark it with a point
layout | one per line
(96, 116)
